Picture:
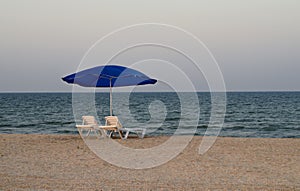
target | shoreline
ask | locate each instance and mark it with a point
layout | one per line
(152, 136)
(64, 162)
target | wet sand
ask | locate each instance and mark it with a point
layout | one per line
(64, 162)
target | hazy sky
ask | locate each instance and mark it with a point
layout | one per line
(255, 42)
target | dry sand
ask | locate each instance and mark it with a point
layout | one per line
(63, 162)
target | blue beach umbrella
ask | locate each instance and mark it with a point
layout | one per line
(109, 76)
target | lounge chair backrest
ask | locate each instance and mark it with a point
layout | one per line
(113, 120)
(89, 120)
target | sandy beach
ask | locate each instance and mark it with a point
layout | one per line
(63, 162)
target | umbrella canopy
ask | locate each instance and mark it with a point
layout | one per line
(109, 76)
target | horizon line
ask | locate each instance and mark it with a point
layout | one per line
(201, 91)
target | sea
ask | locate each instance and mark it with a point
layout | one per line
(247, 114)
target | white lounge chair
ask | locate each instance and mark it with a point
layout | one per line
(89, 124)
(112, 122)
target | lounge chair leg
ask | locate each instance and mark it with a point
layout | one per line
(121, 135)
(110, 134)
(80, 132)
(125, 136)
(143, 133)
(88, 133)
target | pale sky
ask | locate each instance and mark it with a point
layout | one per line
(255, 42)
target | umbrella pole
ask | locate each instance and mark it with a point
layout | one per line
(110, 98)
